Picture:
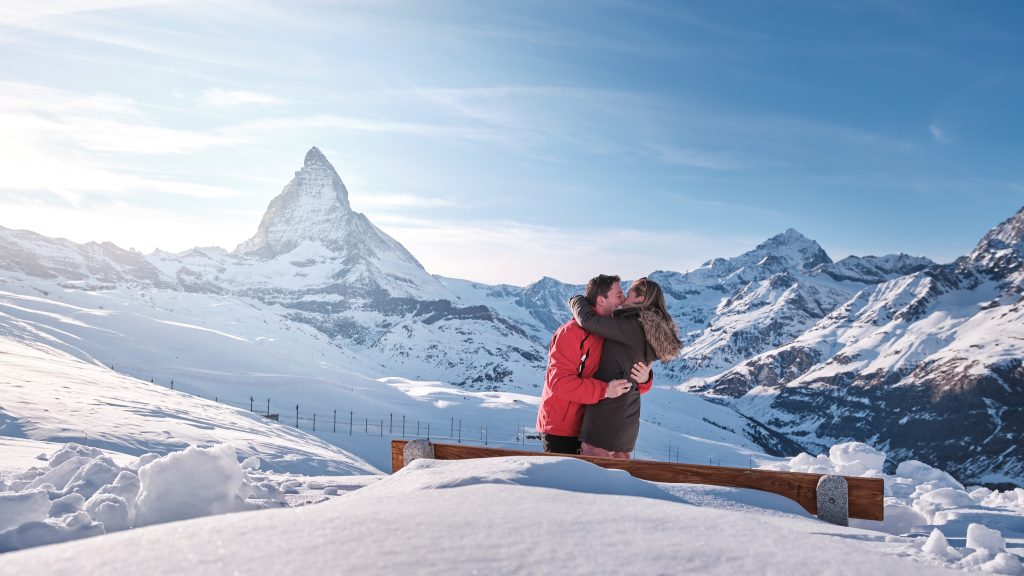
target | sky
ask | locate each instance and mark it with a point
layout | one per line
(506, 141)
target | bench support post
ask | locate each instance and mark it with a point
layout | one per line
(834, 500)
(418, 448)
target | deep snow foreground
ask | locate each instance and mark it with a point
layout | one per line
(506, 515)
(75, 491)
(501, 515)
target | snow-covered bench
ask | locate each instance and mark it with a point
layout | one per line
(832, 498)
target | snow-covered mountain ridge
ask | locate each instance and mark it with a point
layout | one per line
(930, 364)
(745, 321)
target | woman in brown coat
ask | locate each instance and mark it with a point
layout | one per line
(641, 330)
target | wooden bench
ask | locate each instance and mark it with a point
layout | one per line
(864, 495)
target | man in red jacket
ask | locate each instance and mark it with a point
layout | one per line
(569, 384)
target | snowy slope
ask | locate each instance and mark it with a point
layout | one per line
(48, 395)
(217, 348)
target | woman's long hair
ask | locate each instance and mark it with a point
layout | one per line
(661, 330)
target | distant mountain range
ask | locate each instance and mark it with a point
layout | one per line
(923, 360)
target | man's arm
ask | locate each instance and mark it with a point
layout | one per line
(565, 381)
(606, 326)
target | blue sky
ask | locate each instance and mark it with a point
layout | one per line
(505, 141)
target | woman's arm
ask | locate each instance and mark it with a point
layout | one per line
(606, 326)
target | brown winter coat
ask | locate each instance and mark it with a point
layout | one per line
(632, 334)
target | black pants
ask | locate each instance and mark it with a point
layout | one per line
(560, 444)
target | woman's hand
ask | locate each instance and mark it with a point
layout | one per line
(641, 372)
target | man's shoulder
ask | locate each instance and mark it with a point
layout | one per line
(571, 331)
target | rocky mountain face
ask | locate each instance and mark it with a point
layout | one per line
(925, 366)
(89, 265)
(733, 309)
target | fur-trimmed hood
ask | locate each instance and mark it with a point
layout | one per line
(662, 334)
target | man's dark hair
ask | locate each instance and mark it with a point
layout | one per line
(599, 286)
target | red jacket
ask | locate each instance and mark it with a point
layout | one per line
(569, 383)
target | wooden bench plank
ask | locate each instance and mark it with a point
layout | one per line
(866, 494)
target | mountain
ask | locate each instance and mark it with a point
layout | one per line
(925, 366)
(37, 256)
(315, 261)
(311, 224)
(730, 310)
(812, 351)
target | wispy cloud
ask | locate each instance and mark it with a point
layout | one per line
(218, 98)
(508, 251)
(731, 207)
(360, 124)
(62, 142)
(939, 134)
(97, 122)
(372, 201)
(696, 157)
(18, 13)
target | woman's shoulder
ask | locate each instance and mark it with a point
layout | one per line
(627, 312)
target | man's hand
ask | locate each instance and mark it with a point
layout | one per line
(641, 372)
(617, 388)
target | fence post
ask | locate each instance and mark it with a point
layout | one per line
(350, 423)
(485, 436)
(460, 430)
(366, 425)
(417, 428)
(314, 421)
(381, 426)
(391, 424)
(452, 433)
(268, 407)
(250, 403)
(335, 429)
(428, 431)
(296, 415)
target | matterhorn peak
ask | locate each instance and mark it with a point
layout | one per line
(313, 206)
(315, 157)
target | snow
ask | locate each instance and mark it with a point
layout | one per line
(982, 538)
(76, 496)
(551, 505)
(17, 508)
(938, 546)
(53, 396)
(920, 499)
(151, 335)
(501, 515)
(210, 486)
